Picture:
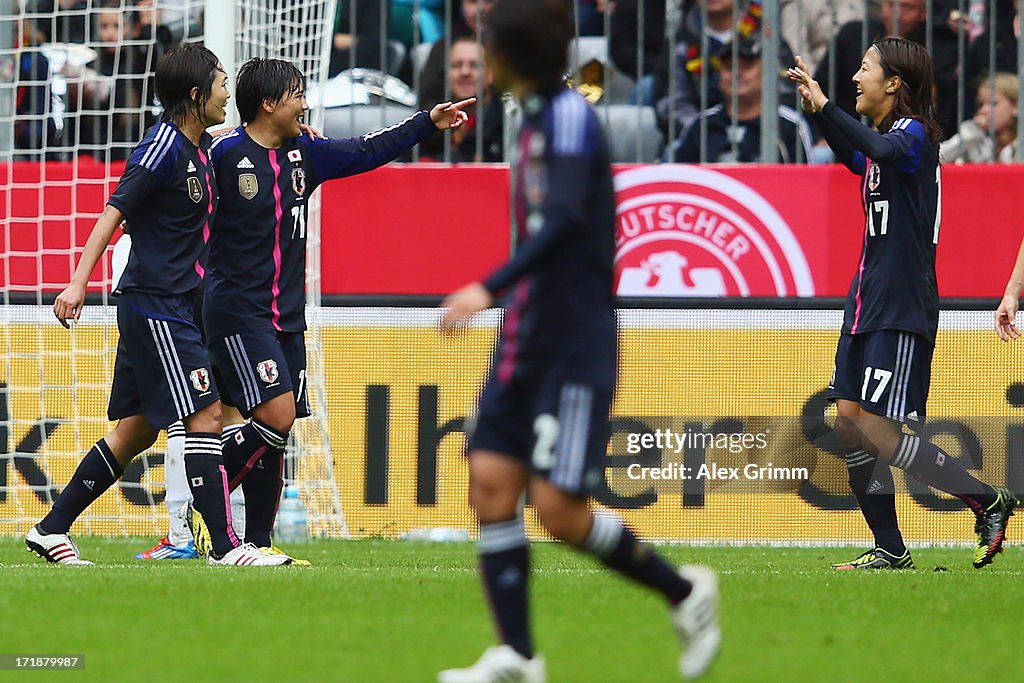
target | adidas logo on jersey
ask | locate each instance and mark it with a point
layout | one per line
(191, 167)
(912, 415)
(245, 163)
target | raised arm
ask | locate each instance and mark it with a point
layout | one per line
(69, 303)
(843, 149)
(344, 157)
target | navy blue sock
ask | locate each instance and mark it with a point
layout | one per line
(95, 474)
(244, 446)
(873, 486)
(929, 464)
(505, 569)
(208, 482)
(262, 489)
(617, 547)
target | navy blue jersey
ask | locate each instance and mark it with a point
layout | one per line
(168, 194)
(559, 305)
(894, 287)
(257, 266)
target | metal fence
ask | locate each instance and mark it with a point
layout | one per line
(675, 80)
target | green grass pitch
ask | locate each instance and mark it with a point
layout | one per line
(391, 612)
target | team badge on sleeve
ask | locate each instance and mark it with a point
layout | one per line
(195, 189)
(267, 370)
(248, 186)
(200, 379)
(299, 181)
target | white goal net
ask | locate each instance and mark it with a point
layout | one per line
(75, 97)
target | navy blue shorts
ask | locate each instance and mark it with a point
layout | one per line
(557, 426)
(162, 368)
(255, 366)
(887, 372)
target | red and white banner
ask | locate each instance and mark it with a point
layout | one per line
(682, 230)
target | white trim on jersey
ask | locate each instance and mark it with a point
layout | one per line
(226, 136)
(176, 381)
(380, 131)
(240, 359)
(162, 142)
(570, 129)
(574, 430)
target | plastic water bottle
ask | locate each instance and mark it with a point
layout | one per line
(291, 526)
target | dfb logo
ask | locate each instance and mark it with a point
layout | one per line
(267, 370)
(200, 379)
(689, 231)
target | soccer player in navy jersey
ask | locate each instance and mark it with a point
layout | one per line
(883, 361)
(162, 373)
(542, 420)
(254, 306)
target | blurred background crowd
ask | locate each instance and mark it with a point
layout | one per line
(676, 81)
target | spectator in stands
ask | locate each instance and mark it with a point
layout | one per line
(359, 45)
(972, 143)
(430, 20)
(591, 16)
(807, 25)
(472, 17)
(66, 21)
(1007, 35)
(906, 19)
(115, 93)
(36, 125)
(625, 51)
(466, 67)
(686, 102)
(742, 128)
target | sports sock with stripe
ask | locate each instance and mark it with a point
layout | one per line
(208, 482)
(873, 486)
(254, 457)
(176, 484)
(504, 569)
(95, 474)
(619, 549)
(930, 465)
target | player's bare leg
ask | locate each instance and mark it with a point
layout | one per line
(872, 485)
(930, 465)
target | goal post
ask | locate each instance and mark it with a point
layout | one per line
(75, 98)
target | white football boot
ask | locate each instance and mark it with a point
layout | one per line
(696, 622)
(499, 664)
(248, 555)
(56, 548)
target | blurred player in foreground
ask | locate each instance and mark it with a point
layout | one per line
(543, 415)
(883, 362)
(162, 373)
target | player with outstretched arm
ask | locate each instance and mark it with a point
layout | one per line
(883, 361)
(255, 298)
(162, 373)
(543, 417)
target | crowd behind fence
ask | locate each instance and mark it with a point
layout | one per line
(684, 81)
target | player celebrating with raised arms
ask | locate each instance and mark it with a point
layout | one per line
(254, 305)
(542, 420)
(162, 373)
(883, 361)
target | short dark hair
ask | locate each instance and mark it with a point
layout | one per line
(915, 98)
(531, 37)
(178, 71)
(265, 79)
